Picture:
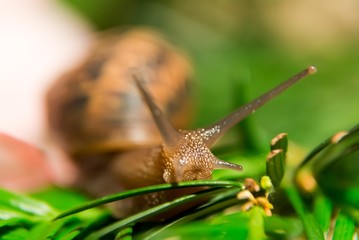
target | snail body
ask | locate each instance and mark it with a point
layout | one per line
(94, 108)
(96, 114)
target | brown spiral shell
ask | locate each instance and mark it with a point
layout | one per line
(96, 113)
(95, 108)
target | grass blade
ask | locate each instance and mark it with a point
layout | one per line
(151, 212)
(310, 224)
(150, 189)
(323, 211)
(276, 166)
(24, 204)
(256, 224)
(224, 200)
(344, 228)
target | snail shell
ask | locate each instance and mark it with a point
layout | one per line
(97, 115)
(96, 106)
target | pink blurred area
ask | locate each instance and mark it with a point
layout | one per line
(26, 168)
(39, 41)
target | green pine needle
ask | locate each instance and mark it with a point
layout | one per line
(145, 190)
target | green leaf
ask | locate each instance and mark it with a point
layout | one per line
(229, 226)
(71, 235)
(94, 223)
(323, 211)
(152, 212)
(311, 227)
(222, 200)
(25, 204)
(125, 234)
(16, 234)
(280, 142)
(279, 227)
(59, 198)
(201, 230)
(45, 230)
(276, 166)
(56, 230)
(256, 224)
(14, 222)
(144, 190)
(336, 169)
(9, 214)
(344, 228)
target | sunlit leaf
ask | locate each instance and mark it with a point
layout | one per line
(15, 234)
(323, 211)
(311, 226)
(25, 204)
(344, 228)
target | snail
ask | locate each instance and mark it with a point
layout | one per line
(105, 115)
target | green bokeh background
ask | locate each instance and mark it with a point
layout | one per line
(262, 43)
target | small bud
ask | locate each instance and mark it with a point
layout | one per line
(266, 183)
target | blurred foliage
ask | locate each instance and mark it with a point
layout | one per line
(297, 214)
(334, 165)
(262, 43)
(256, 44)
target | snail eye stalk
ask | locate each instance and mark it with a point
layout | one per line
(221, 127)
(169, 134)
